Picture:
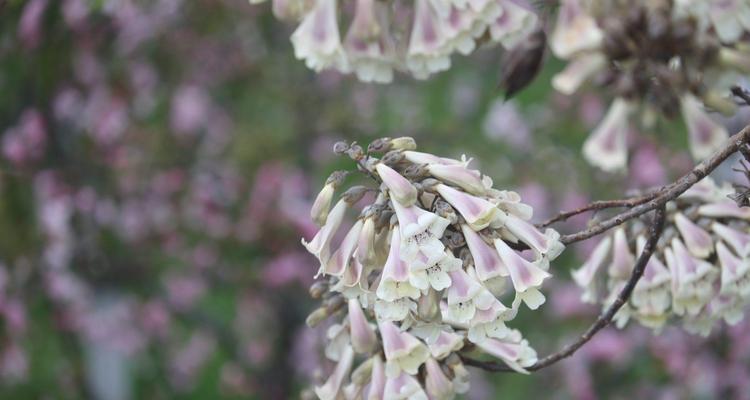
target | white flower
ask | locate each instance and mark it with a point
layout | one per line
(698, 241)
(469, 180)
(607, 146)
(692, 280)
(394, 281)
(586, 274)
(540, 243)
(651, 295)
(436, 274)
(479, 213)
(400, 189)
(465, 297)
(403, 352)
(438, 386)
(320, 245)
(331, 389)
(512, 25)
(377, 380)
(446, 343)
(403, 387)
(488, 266)
(369, 44)
(337, 263)
(317, 39)
(740, 242)
(420, 234)
(319, 210)
(514, 351)
(526, 276)
(577, 71)
(705, 136)
(429, 50)
(361, 332)
(575, 31)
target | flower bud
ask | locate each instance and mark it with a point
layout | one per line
(736, 59)
(318, 288)
(316, 317)
(403, 143)
(355, 152)
(379, 145)
(322, 204)
(340, 147)
(392, 158)
(354, 194)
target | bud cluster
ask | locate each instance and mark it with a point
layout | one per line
(663, 57)
(700, 273)
(438, 262)
(417, 36)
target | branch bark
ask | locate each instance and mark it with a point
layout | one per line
(670, 192)
(605, 318)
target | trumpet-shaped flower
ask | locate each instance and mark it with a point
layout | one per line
(361, 332)
(420, 233)
(526, 276)
(403, 352)
(337, 263)
(400, 189)
(607, 146)
(465, 297)
(332, 387)
(585, 275)
(369, 44)
(704, 134)
(692, 280)
(698, 241)
(436, 274)
(403, 387)
(394, 281)
(575, 31)
(477, 212)
(438, 386)
(317, 39)
(320, 245)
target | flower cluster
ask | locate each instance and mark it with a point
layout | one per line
(658, 58)
(700, 272)
(417, 37)
(432, 265)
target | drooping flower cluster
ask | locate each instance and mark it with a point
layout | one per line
(699, 274)
(417, 37)
(432, 265)
(658, 58)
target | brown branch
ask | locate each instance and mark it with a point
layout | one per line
(670, 192)
(599, 205)
(604, 319)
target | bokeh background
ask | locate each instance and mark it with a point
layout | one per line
(157, 163)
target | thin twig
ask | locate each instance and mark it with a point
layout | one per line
(731, 146)
(599, 205)
(604, 319)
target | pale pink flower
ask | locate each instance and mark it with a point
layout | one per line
(606, 147)
(403, 352)
(479, 213)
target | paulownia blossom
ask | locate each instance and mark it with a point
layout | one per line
(418, 274)
(682, 67)
(699, 274)
(378, 40)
